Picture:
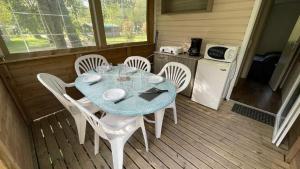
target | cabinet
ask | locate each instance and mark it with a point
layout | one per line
(190, 61)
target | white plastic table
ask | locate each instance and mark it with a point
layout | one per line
(133, 105)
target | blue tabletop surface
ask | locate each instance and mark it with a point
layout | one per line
(133, 105)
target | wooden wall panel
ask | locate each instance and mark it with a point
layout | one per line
(35, 99)
(226, 24)
(15, 140)
(294, 133)
(33, 95)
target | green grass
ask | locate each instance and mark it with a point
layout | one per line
(123, 39)
(17, 45)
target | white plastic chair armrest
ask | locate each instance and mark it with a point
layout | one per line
(70, 85)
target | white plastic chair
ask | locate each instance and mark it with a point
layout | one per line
(138, 62)
(89, 62)
(180, 75)
(114, 128)
(58, 88)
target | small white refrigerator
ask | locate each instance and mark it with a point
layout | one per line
(211, 82)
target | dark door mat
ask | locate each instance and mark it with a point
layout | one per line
(254, 114)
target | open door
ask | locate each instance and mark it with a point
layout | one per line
(289, 111)
(286, 58)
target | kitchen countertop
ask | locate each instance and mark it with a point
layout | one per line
(184, 55)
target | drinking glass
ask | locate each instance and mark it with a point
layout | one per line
(100, 69)
(108, 66)
(122, 75)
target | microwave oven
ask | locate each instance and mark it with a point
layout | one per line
(221, 52)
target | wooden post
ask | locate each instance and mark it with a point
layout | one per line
(98, 23)
(150, 21)
(3, 48)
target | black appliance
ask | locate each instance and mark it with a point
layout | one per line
(194, 50)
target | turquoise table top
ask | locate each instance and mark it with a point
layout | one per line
(133, 105)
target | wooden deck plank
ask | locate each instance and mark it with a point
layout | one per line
(227, 132)
(216, 145)
(66, 148)
(159, 153)
(225, 118)
(243, 142)
(218, 133)
(54, 150)
(228, 116)
(231, 130)
(74, 146)
(177, 153)
(151, 158)
(175, 150)
(262, 131)
(203, 138)
(40, 147)
(97, 160)
(193, 147)
(133, 154)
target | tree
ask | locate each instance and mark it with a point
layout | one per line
(54, 24)
(127, 28)
(111, 13)
(26, 21)
(70, 27)
(44, 24)
(5, 17)
(140, 14)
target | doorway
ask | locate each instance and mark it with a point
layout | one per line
(272, 52)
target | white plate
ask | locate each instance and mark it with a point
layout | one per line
(131, 69)
(89, 78)
(155, 79)
(114, 94)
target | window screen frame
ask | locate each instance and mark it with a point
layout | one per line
(149, 27)
(99, 34)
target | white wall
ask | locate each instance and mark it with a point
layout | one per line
(282, 19)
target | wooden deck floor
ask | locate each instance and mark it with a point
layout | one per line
(203, 138)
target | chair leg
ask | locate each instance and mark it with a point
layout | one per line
(96, 140)
(159, 117)
(81, 127)
(144, 133)
(174, 112)
(117, 147)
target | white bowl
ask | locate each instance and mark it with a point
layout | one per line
(89, 78)
(114, 94)
(155, 79)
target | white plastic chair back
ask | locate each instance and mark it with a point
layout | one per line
(90, 117)
(178, 73)
(58, 88)
(89, 62)
(138, 62)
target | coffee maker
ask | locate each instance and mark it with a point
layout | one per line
(194, 50)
